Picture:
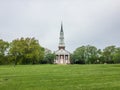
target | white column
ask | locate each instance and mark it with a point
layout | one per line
(69, 59)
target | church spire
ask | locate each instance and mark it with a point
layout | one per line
(61, 27)
(61, 39)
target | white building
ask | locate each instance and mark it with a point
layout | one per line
(62, 55)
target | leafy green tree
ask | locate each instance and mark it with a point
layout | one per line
(108, 54)
(85, 54)
(99, 57)
(116, 56)
(3, 47)
(78, 56)
(3, 51)
(49, 58)
(26, 51)
(91, 54)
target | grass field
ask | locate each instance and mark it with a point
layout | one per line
(60, 77)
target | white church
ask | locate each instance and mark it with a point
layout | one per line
(62, 55)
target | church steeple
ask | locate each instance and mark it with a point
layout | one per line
(61, 27)
(61, 39)
(62, 55)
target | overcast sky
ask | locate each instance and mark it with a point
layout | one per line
(93, 22)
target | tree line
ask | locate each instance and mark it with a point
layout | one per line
(29, 51)
(91, 55)
(23, 51)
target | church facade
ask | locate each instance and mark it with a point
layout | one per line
(62, 55)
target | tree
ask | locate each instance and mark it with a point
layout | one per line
(3, 51)
(78, 56)
(91, 54)
(108, 54)
(85, 54)
(49, 58)
(3, 47)
(116, 56)
(26, 51)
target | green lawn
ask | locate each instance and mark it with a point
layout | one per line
(60, 77)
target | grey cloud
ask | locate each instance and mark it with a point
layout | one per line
(95, 22)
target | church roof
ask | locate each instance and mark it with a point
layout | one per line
(62, 52)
